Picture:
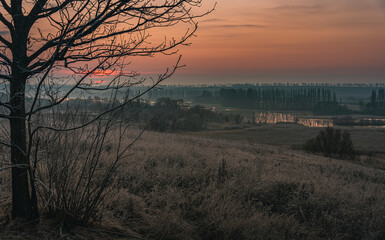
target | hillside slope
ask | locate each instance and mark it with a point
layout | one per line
(184, 187)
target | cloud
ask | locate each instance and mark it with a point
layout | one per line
(230, 26)
(299, 8)
(363, 23)
(212, 20)
(242, 26)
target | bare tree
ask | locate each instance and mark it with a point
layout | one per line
(51, 49)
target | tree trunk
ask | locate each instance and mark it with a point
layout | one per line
(24, 203)
(23, 206)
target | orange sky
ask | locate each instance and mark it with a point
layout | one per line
(281, 40)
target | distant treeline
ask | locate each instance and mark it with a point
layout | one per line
(376, 106)
(165, 115)
(317, 100)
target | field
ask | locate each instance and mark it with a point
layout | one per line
(175, 186)
(368, 141)
(365, 139)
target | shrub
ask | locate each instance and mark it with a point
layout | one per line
(331, 142)
(75, 170)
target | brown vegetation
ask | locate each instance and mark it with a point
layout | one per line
(332, 142)
(184, 187)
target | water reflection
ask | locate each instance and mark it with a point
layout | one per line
(302, 119)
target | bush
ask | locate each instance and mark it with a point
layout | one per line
(170, 115)
(331, 143)
(75, 172)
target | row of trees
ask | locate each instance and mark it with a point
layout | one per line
(377, 103)
(318, 98)
(313, 99)
(186, 93)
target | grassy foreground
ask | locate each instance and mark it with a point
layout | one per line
(185, 187)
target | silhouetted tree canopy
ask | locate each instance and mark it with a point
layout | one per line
(50, 50)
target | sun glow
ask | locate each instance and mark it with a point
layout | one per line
(99, 82)
(101, 73)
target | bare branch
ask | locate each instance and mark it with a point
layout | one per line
(14, 166)
(5, 6)
(36, 10)
(86, 33)
(6, 22)
(8, 44)
(49, 11)
(11, 146)
(5, 77)
(161, 78)
(67, 93)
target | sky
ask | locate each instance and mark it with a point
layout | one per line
(265, 41)
(255, 41)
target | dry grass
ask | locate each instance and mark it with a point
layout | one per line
(368, 141)
(365, 139)
(185, 187)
